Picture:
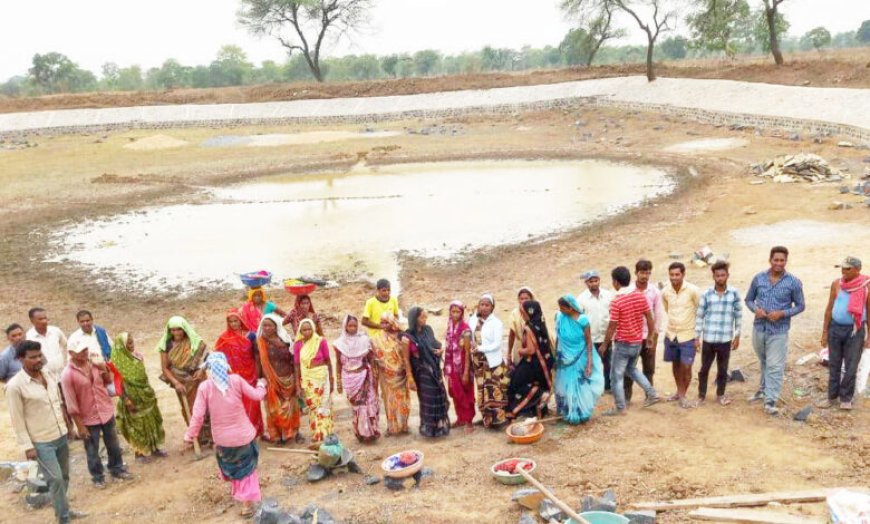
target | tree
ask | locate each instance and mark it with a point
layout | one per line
(771, 16)
(675, 48)
(171, 75)
(230, 67)
(761, 31)
(426, 62)
(658, 19)
(390, 65)
(818, 37)
(56, 73)
(130, 78)
(302, 25)
(718, 24)
(109, 75)
(268, 73)
(863, 34)
(575, 47)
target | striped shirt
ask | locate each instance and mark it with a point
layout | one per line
(628, 309)
(787, 296)
(719, 316)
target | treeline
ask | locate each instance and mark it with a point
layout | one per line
(56, 73)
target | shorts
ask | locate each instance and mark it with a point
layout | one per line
(682, 351)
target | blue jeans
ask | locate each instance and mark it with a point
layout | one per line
(625, 363)
(772, 350)
(53, 459)
(113, 449)
(844, 349)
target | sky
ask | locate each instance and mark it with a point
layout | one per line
(92, 32)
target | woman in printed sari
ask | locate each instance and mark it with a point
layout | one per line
(354, 363)
(426, 354)
(182, 351)
(139, 418)
(457, 366)
(302, 309)
(238, 343)
(256, 307)
(516, 325)
(490, 370)
(393, 368)
(274, 348)
(579, 379)
(531, 381)
(311, 354)
(222, 398)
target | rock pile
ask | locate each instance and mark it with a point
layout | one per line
(803, 167)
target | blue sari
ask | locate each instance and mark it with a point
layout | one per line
(576, 394)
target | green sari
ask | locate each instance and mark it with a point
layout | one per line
(141, 426)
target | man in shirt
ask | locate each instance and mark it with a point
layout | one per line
(51, 338)
(9, 363)
(717, 330)
(491, 369)
(97, 337)
(377, 305)
(595, 302)
(643, 272)
(680, 299)
(91, 408)
(775, 296)
(628, 310)
(37, 420)
(845, 331)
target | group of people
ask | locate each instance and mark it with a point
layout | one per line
(269, 368)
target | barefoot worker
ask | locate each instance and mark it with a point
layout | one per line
(182, 352)
(717, 330)
(845, 331)
(356, 377)
(394, 374)
(314, 380)
(643, 271)
(775, 296)
(681, 305)
(579, 379)
(457, 366)
(236, 450)
(377, 305)
(239, 344)
(139, 418)
(257, 306)
(91, 408)
(490, 369)
(275, 350)
(425, 352)
(516, 325)
(531, 382)
(302, 309)
(33, 396)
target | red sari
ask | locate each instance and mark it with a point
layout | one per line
(238, 347)
(455, 366)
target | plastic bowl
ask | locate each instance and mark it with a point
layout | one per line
(406, 471)
(601, 517)
(512, 480)
(534, 434)
(256, 279)
(297, 287)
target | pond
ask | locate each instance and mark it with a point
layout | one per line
(352, 224)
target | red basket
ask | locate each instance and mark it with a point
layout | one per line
(300, 289)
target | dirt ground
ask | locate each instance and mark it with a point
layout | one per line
(832, 68)
(651, 454)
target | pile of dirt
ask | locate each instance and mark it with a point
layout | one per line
(155, 142)
(805, 167)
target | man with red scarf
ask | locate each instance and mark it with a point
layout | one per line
(845, 331)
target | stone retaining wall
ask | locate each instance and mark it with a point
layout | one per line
(698, 115)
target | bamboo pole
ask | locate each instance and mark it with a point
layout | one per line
(549, 494)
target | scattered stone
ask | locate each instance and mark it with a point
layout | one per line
(426, 473)
(549, 511)
(6, 471)
(316, 472)
(866, 160)
(749, 210)
(640, 517)
(37, 485)
(794, 137)
(394, 484)
(736, 376)
(818, 140)
(37, 500)
(529, 498)
(371, 480)
(314, 514)
(607, 502)
(838, 206)
(757, 182)
(845, 144)
(527, 518)
(804, 414)
(804, 167)
(693, 171)
(805, 83)
(844, 190)
(270, 512)
(289, 481)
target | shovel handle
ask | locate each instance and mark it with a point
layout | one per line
(528, 422)
(300, 451)
(549, 494)
(186, 406)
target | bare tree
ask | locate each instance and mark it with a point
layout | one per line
(601, 29)
(771, 8)
(302, 25)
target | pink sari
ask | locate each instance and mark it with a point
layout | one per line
(454, 367)
(358, 380)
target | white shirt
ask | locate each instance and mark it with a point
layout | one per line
(95, 351)
(490, 339)
(597, 310)
(54, 346)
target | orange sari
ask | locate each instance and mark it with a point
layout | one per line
(281, 402)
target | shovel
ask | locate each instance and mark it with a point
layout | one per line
(549, 494)
(197, 450)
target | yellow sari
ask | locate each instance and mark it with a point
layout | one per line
(315, 382)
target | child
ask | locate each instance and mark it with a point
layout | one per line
(377, 305)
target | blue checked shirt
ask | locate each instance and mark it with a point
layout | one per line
(787, 295)
(719, 316)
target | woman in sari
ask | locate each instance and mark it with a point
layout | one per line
(426, 354)
(302, 309)
(238, 343)
(457, 366)
(579, 380)
(222, 398)
(516, 325)
(354, 363)
(139, 418)
(393, 368)
(182, 351)
(256, 307)
(276, 362)
(315, 381)
(490, 370)
(531, 381)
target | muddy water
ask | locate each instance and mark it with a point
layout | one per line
(291, 139)
(354, 224)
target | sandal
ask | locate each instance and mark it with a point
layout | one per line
(672, 398)
(247, 511)
(724, 401)
(687, 404)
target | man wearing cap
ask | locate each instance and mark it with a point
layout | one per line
(845, 331)
(595, 302)
(88, 403)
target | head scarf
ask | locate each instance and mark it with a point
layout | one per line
(218, 371)
(453, 337)
(281, 331)
(392, 321)
(254, 290)
(537, 324)
(352, 346)
(314, 334)
(230, 338)
(573, 302)
(180, 322)
(526, 289)
(489, 298)
(423, 336)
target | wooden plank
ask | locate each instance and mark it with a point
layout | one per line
(746, 500)
(750, 516)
